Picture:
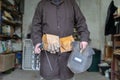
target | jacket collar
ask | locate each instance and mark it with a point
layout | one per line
(53, 2)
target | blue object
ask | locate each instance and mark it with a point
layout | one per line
(19, 57)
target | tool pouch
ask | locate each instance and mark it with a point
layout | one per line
(66, 44)
(53, 43)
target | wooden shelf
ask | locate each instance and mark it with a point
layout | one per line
(12, 18)
(10, 8)
(15, 24)
(4, 53)
(117, 73)
(117, 43)
(116, 35)
(3, 36)
(13, 12)
(8, 37)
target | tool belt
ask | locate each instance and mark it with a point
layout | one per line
(53, 43)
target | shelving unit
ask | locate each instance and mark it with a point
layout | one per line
(11, 21)
(116, 41)
(115, 72)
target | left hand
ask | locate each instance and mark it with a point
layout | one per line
(83, 45)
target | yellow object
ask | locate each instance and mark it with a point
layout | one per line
(8, 15)
(118, 11)
(66, 44)
(53, 43)
(117, 51)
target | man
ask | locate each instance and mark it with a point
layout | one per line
(57, 17)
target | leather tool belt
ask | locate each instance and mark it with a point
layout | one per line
(53, 43)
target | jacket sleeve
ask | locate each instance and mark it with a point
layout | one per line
(80, 23)
(36, 33)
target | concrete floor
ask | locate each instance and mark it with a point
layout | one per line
(34, 75)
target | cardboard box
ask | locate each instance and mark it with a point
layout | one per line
(7, 61)
(108, 52)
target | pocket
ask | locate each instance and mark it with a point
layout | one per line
(66, 44)
(45, 42)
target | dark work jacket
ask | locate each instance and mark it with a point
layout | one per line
(58, 19)
(110, 22)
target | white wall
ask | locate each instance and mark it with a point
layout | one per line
(91, 10)
(95, 12)
(30, 6)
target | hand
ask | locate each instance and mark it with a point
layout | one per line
(83, 45)
(37, 48)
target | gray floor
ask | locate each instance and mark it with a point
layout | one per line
(34, 75)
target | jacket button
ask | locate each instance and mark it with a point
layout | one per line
(58, 26)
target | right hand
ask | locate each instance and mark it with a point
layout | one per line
(37, 48)
(83, 45)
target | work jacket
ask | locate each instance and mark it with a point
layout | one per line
(57, 19)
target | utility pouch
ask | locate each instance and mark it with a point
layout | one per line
(66, 43)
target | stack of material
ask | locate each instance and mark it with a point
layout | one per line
(117, 51)
(117, 20)
(117, 13)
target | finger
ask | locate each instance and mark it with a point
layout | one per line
(84, 46)
(81, 45)
(49, 47)
(37, 50)
(38, 45)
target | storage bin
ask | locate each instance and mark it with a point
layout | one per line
(96, 60)
(7, 61)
